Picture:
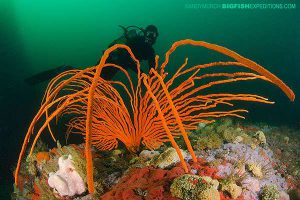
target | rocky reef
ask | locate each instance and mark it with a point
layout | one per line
(234, 161)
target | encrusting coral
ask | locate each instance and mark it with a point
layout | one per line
(154, 114)
(189, 187)
(269, 192)
(234, 190)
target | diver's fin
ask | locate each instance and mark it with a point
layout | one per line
(47, 75)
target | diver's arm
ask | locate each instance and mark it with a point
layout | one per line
(132, 65)
(151, 60)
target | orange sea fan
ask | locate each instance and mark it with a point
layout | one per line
(151, 114)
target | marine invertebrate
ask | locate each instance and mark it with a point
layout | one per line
(209, 141)
(144, 183)
(148, 155)
(189, 187)
(66, 180)
(152, 116)
(213, 182)
(234, 190)
(261, 137)
(252, 184)
(269, 192)
(167, 159)
(255, 169)
(42, 156)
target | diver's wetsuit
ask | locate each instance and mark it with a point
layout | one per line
(141, 50)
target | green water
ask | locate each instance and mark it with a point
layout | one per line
(40, 35)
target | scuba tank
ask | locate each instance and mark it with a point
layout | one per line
(129, 33)
(132, 31)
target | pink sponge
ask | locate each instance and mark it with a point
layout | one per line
(66, 181)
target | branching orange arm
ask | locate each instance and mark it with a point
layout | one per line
(248, 63)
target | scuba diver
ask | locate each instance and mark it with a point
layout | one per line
(140, 42)
(138, 39)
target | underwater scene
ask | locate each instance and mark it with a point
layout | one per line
(150, 100)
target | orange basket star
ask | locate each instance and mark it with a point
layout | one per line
(154, 111)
